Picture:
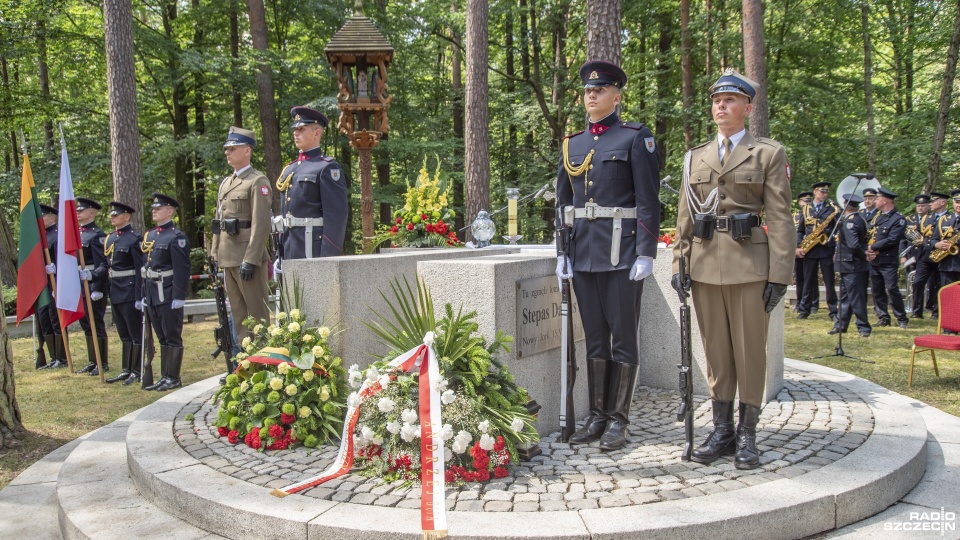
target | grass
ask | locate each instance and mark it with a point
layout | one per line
(889, 347)
(58, 407)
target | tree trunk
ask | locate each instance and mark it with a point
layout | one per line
(511, 173)
(686, 72)
(122, 96)
(197, 170)
(268, 108)
(9, 255)
(457, 88)
(868, 88)
(943, 110)
(603, 30)
(383, 176)
(476, 134)
(235, 55)
(44, 75)
(11, 422)
(13, 156)
(664, 91)
(708, 45)
(756, 65)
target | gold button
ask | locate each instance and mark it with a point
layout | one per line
(591, 199)
(591, 167)
(722, 196)
(595, 137)
(591, 182)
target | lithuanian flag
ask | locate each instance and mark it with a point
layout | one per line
(32, 289)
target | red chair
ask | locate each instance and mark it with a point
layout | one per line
(949, 321)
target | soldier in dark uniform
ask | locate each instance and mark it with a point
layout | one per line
(47, 315)
(313, 194)
(96, 274)
(820, 212)
(165, 284)
(851, 263)
(945, 235)
(882, 253)
(938, 209)
(923, 223)
(803, 199)
(870, 213)
(125, 259)
(608, 187)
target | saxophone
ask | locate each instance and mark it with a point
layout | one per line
(817, 236)
(950, 236)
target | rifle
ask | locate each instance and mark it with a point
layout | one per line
(686, 363)
(568, 374)
(146, 350)
(277, 234)
(222, 334)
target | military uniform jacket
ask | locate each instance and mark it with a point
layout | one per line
(869, 215)
(812, 218)
(753, 179)
(886, 240)
(924, 225)
(124, 255)
(168, 252)
(943, 231)
(247, 198)
(623, 172)
(851, 255)
(92, 238)
(317, 188)
(52, 242)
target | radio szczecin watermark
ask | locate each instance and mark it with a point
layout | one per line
(933, 521)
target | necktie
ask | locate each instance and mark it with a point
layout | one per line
(727, 148)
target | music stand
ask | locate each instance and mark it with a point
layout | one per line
(839, 349)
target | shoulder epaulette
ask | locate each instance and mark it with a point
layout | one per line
(704, 143)
(632, 125)
(574, 134)
(326, 158)
(768, 141)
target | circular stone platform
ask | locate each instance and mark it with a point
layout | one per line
(835, 448)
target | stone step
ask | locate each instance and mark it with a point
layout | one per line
(860, 484)
(96, 499)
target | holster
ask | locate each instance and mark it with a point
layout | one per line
(740, 225)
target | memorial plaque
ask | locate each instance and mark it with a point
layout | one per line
(538, 316)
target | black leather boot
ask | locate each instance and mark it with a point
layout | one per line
(620, 387)
(135, 354)
(50, 342)
(104, 357)
(164, 361)
(722, 441)
(124, 363)
(91, 357)
(174, 361)
(597, 373)
(61, 354)
(748, 457)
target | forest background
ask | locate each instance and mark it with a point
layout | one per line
(852, 86)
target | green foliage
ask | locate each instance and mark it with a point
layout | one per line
(9, 300)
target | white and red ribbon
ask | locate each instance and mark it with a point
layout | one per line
(433, 520)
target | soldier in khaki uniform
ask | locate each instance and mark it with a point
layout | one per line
(241, 230)
(733, 185)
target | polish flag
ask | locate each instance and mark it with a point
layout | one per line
(69, 299)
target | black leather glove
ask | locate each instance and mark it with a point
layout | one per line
(246, 271)
(681, 289)
(773, 293)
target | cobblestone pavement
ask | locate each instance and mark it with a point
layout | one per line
(812, 423)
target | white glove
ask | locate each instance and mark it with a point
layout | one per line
(138, 305)
(276, 268)
(85, 275)
(51, 268)
(96, 295)
(177, 304)
(642, 268)
(564, 271)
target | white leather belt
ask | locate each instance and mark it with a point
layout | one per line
(158, 277)
(121, 273)
(308, 224)
(593, 211)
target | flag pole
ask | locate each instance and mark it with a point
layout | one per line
(53, 282)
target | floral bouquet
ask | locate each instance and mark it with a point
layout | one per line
(666, 239)
(483, 412)
(287, 389)
(425, 219)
